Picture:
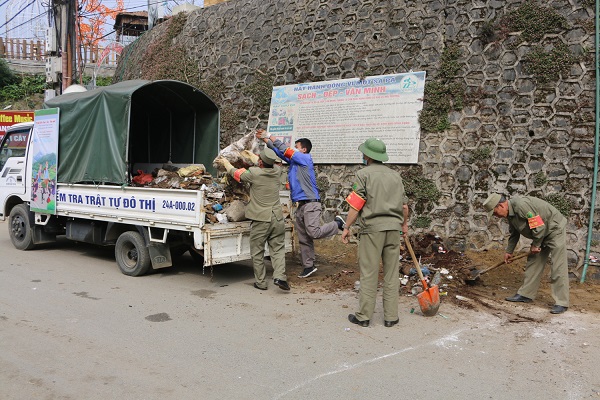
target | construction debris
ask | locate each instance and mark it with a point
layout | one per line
(225, 199)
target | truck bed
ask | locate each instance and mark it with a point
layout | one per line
(163, 210)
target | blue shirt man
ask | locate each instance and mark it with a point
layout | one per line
(304, 192)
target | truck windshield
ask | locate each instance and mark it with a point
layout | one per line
(14, 145)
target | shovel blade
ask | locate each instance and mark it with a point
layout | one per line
(429, 301)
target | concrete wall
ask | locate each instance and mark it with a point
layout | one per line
(537, 136)
(39, 67)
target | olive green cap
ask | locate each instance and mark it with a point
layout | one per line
(374, 148)
(491, 202)
(267, 156)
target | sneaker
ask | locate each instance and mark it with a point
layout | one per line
(340, 221)
(283, 285)
(307, 272)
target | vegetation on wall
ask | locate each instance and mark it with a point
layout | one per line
(443, 93)
(561, 203)
(540, 179)
(547, 66)
(533, 21)
(165, 58)
(480, 154)
(421, 222)
(422, 191)
(260, 90)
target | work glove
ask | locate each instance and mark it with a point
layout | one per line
(223, 162)
(248, 155)
(262, 134)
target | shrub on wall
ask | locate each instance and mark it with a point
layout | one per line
(443, 93)
(561, 203)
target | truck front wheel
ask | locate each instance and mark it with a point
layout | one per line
(21, 234)
(132, 254)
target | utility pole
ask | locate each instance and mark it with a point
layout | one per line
(61, 45)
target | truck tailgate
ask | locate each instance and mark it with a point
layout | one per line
(230, 242)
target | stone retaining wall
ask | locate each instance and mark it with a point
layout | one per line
(513, 124)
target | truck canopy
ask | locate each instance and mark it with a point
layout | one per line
(106, 132)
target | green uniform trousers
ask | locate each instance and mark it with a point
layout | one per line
(273, 233)
(372, 248)
(554, 245)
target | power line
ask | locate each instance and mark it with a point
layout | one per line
(19, 12)
(26, 22)
(46, 12)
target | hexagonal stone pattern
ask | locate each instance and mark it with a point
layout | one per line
(529, 128)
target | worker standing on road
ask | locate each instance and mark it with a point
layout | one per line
(545, 226)
(379, 203)
(265, 211)
(304, 192)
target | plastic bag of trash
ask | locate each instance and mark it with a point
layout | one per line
(242, 153)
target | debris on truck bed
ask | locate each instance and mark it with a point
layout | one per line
(242, 153)
(225, 199)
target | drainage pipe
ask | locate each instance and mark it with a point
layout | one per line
(596, 149)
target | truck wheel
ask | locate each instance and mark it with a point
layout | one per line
(21, 234)
(132, 254)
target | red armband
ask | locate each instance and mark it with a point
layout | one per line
(535, 222)
(288, 153)
(238, 173)
(355, 201)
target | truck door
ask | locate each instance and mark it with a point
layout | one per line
(12, 163)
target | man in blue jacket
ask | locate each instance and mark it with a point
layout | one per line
(304, 192)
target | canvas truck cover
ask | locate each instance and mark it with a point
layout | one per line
(105, 131)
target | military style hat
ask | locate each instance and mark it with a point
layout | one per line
(267, 156)
(374, 148)
(491, 202)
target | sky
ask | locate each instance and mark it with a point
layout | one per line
(33, 8)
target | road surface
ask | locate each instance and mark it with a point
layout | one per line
(73, 327)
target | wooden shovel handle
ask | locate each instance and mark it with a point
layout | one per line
(417, 266)
(502, 262)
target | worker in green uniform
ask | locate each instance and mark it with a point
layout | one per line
(379, 203)
(545, 226)
(265, 211)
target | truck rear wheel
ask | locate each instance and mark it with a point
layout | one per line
(21, 234)
(132, 254)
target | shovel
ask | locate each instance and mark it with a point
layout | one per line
(429, 298)
(475, 274)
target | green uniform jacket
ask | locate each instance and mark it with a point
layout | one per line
(264, 193)
(527, 211)
(383, 190)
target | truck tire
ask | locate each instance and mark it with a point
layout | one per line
(132, 254)
(19, 228)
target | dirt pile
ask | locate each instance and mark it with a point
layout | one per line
(338, 270)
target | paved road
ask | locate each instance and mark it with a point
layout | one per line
(73, 327)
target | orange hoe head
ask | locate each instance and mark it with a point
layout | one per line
(429, 300)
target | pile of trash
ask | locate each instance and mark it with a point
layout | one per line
(439, 266)
(225, 198)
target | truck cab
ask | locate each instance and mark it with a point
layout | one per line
(13, 167)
